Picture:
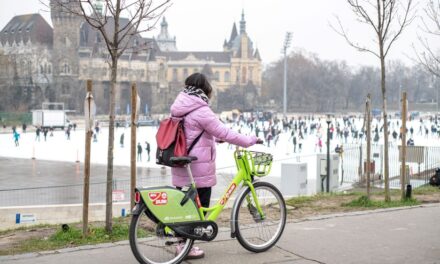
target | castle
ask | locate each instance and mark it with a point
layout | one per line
(52, 64)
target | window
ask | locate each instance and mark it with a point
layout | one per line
(217, 76)
(227, 76)
(161, 72)
(65, 68)
(65, 88)
(243, 75)
(98, 37)
(175, 75)
(41, 69)
(251, 73)
(195, 70)
(185, 73)
(49, 69)
(237, 78)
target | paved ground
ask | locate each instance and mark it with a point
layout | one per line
(409, 235)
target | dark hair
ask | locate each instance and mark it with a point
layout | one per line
(199, 80)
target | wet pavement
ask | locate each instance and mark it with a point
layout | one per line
(40, 182)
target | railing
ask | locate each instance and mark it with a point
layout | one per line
(73, 193)
(421, 162)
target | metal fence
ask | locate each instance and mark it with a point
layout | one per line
(73, 193)
(421, 162)
(11, 118)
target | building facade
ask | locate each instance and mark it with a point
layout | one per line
(59, 60)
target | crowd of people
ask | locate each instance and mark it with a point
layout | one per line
(300, 131)
(342, 130)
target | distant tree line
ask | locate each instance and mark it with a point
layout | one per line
(318, 85)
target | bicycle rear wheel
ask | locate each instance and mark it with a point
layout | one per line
(152, 245)
(256, 233)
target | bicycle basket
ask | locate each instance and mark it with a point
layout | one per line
(260, 163)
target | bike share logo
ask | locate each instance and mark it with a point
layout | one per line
(228, 194)
(158, 198)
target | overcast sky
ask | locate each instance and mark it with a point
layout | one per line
(202, 25)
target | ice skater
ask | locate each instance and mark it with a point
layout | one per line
(139, 152)
(147, 148)
(121, 140)
(16, 138)
(37, 134)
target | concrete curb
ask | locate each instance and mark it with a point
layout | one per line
(359, 213)
(223, 230)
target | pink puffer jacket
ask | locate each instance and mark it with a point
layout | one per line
(200, 117)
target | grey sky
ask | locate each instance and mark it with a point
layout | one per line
(204, 24)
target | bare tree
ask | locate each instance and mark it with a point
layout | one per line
(429, 57)
(142, 16)
(388, 19)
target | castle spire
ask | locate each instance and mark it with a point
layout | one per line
(242, 23)
(164, 27)
(164, 40)
(233, 33)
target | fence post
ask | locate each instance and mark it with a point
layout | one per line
(33, 152)
(88, 138)
(133, 142)
(368, 143)
(403, 148)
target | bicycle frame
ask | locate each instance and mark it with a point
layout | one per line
(243, 176)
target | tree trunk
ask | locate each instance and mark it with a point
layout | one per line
(368, 143)
(111, 140)
(385, 124)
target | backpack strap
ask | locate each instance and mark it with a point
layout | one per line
(199, 136)
(195, 141)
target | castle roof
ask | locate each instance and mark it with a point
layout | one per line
(214, 56)
(92, 39)
(234, 43)
(25, 28)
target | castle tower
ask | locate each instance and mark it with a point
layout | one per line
(164, 39)
(65, 59)
(242, 23)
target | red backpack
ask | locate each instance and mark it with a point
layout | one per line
(171, 141)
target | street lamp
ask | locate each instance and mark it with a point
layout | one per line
(328, 120)
(89, 115)
(437, 87)
(285, 47)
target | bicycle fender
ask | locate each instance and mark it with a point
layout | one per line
(235, 209)
(137, 210)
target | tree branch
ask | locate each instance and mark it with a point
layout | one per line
(342, 33)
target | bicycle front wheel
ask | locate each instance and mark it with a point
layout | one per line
(258, 232)
(152, 244)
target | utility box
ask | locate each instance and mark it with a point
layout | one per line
(49, 118)
(294, 179)
(321, 185)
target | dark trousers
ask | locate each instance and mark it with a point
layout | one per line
(204, 195)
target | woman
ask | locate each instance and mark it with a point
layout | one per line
(193, 104)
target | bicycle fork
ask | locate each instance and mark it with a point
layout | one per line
(255, 210)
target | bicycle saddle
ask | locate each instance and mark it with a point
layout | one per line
(183, 160)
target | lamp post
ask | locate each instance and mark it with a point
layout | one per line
(285, 47)
(328, 120)
(437, 87)
(89, 115)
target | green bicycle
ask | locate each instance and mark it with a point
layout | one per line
(165, 217)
